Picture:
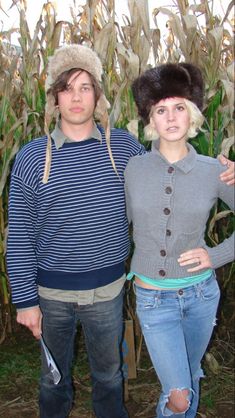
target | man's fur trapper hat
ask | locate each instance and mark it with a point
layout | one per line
(64, 59)
(167, 80)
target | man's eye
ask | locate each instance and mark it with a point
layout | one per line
(86, 88)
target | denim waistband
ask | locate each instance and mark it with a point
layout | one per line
(175, 292)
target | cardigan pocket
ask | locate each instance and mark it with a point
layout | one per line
(187, 241)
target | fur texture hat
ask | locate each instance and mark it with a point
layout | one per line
(167, 80)
(66, 58)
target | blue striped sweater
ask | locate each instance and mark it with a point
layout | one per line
(71, 233)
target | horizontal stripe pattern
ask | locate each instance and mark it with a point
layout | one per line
(76, 223)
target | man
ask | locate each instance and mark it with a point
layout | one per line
(68, 233)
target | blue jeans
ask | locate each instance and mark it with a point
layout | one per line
(177, 327)
(102, 325)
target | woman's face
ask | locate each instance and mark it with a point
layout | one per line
(171, 119)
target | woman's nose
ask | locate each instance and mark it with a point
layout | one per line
(171, 115)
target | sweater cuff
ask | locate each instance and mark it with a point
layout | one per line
(27, 304)
(222, 253)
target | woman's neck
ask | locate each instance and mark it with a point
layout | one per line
(173, 152)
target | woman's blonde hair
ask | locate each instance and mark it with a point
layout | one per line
(196, 122)
(196, 118)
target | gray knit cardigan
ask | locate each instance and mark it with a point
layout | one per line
(169, 205)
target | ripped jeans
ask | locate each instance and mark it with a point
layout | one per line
(177, 327)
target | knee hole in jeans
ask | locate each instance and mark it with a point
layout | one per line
(178, 401)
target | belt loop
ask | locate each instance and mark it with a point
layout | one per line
(198, 289)
(158, 297)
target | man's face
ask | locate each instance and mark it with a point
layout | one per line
(77, 102)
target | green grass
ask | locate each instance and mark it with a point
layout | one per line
(19, 367)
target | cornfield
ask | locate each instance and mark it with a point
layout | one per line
(193, 33)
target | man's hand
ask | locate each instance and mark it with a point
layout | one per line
(32, 319)
(198, 256)
(227, 176)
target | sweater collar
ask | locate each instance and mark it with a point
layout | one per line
(185, 165)
(60, 138)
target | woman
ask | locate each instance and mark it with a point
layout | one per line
(169, 193)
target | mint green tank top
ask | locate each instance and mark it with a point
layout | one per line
(170, 283)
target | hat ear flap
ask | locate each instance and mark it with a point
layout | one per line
(151, 122)
(101, 113)
(102, 106)
(150, 133)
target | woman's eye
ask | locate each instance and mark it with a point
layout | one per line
(180, 108)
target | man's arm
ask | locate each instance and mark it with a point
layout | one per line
(21, 254)
(227, 176)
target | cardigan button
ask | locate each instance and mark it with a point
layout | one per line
(168, 232)
(162, 273)
(168, 190)
(163, 253)
(167, 211)
(170, 170)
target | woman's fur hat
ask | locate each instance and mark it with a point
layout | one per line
(167, 80)
(66, 58)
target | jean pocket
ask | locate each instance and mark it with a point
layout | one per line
(210, 289)
(146, 303)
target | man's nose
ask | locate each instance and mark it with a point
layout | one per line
(76, 95)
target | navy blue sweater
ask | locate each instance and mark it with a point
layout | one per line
(71, 233)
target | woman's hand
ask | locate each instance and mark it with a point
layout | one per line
(198, 256)
(227, 176)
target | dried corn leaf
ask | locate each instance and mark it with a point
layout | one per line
(190, 22)
(6, 169)
(156, 43)
(117, 105)
(144, 53)
(176, 26)
(129, 62)
(214, 219)
(139, 11)
(103, 39)
(215, 37)
(226, 145)
(229, 91)
(212, 363)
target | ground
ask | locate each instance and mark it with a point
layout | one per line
(19, 371)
